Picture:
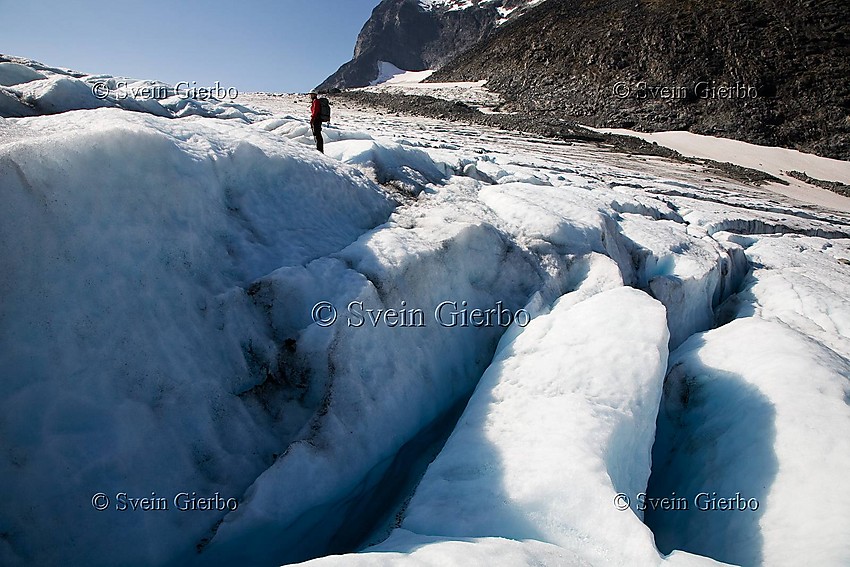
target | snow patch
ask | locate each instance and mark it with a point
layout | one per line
(455, 5)
(775, 161)
(389, 74)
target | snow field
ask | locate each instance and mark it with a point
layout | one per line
(776, 161)
(390, 74)
(392, 80)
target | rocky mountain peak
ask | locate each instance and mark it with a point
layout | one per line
(416, 35)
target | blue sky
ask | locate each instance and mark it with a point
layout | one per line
(253, 45)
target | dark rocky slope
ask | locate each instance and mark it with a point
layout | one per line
(414, 38)
(606, 63)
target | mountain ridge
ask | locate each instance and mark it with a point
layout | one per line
(771, 72)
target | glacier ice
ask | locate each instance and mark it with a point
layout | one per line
(759, 407)
(128, 335)
(159, 270)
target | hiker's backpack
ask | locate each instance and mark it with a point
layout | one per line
(325, 113)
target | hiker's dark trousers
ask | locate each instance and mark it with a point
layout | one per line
(317, 133)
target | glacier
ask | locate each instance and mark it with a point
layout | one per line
(163, 260)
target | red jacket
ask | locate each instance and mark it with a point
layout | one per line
(316, 111)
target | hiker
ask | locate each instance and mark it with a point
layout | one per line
(316, 121)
